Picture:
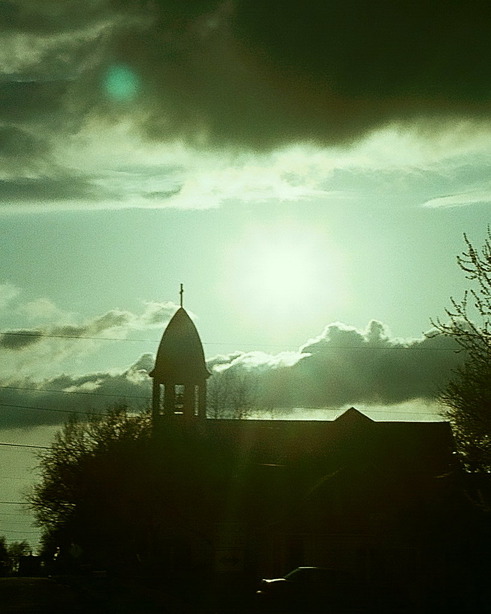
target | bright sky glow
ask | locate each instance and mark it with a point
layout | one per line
(282, 277)
(283, 273)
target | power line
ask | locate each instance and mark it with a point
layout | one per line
(306, 409)
(21, 532)
(65, 411)
(14, 503)
(40, 334)
(83, 392)
(23, 445)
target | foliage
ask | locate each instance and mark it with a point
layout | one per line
(4, 556)
(82, 477)
(10, 555)
(467, 397)
(67, 464)
(16, 550)
(113, 495)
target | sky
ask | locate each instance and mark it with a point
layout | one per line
(306, 169)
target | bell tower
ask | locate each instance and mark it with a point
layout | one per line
(180, 374)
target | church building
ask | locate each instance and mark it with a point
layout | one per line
(375, 497)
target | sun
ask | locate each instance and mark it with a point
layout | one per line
(282, 277)
(279, 274)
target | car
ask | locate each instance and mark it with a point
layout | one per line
(313, 589)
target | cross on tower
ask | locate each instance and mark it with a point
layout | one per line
(181, 292)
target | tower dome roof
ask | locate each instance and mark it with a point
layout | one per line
(180, 357)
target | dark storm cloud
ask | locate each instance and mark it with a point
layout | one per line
(250, 73)
(46, 189)
(24, 339)
(30, 172)
(20, 339)
(345, 366)
(384, 49)
(30, 101)
(48, 16)
(264, 73)
(67, 394)
(18, 145)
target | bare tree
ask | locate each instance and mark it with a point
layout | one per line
(217, 396)
(231, 394)
(467, 397)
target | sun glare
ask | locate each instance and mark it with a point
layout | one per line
(280, 275)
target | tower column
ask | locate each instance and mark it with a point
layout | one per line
(156, 400)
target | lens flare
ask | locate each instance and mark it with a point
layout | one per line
(121, 83)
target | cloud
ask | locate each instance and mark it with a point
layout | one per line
(47, 17)
(41, 308)
(19, 339)
(155, 314)
(31, 101)
(262, 74)
(54, 399)
(46, 189)
(19, 147)
(459, 200)
(109, 323)
(247, 73)
(43, 348)
(228, 78)
(345, 366)
(8, 292)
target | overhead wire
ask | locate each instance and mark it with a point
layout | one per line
(14, 503)
(66, 411)
(42, 335)
(23, 445)
(82, 392)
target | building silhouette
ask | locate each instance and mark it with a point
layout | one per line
(382, 499)
(180, 373)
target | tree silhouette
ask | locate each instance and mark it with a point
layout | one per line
(115, 496)
(81, 500)
(16, 550)
(4, 557)
(10, 555)
(467, 397)
(231, 394)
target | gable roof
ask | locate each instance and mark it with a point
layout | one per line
(353, 417)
